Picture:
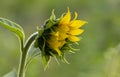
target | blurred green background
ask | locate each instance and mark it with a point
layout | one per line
(99, 54)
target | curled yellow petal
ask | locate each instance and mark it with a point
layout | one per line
(74, 38)
(76, 31)
(76, 15)
(66, 18)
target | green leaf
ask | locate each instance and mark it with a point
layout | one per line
(33, 52)
(11, 74)
(17, 29)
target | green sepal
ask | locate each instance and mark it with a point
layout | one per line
(53, 17)
(46, 60)
(63, 58)
(49, 24)
(51, 21)
(55, 57)
(44, 54)
(13, 27)
(40, 31)
(68, 48)
(12, 73)
(71, 48)
(36, 43)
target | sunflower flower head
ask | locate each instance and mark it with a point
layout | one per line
(57, 36)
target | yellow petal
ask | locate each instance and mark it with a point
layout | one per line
(63, 28)
(53, 37)
(76, 15)
(74, 38)
(53, 43)
(62, 43)
(58, 51)
(66, 18)
(55, 34)
(62, 36)
(76, 31)
(76, 24)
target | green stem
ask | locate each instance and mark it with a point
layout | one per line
(21, 70)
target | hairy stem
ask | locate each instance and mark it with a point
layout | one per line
(21, 70)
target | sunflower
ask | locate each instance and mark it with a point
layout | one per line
(57, 35)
